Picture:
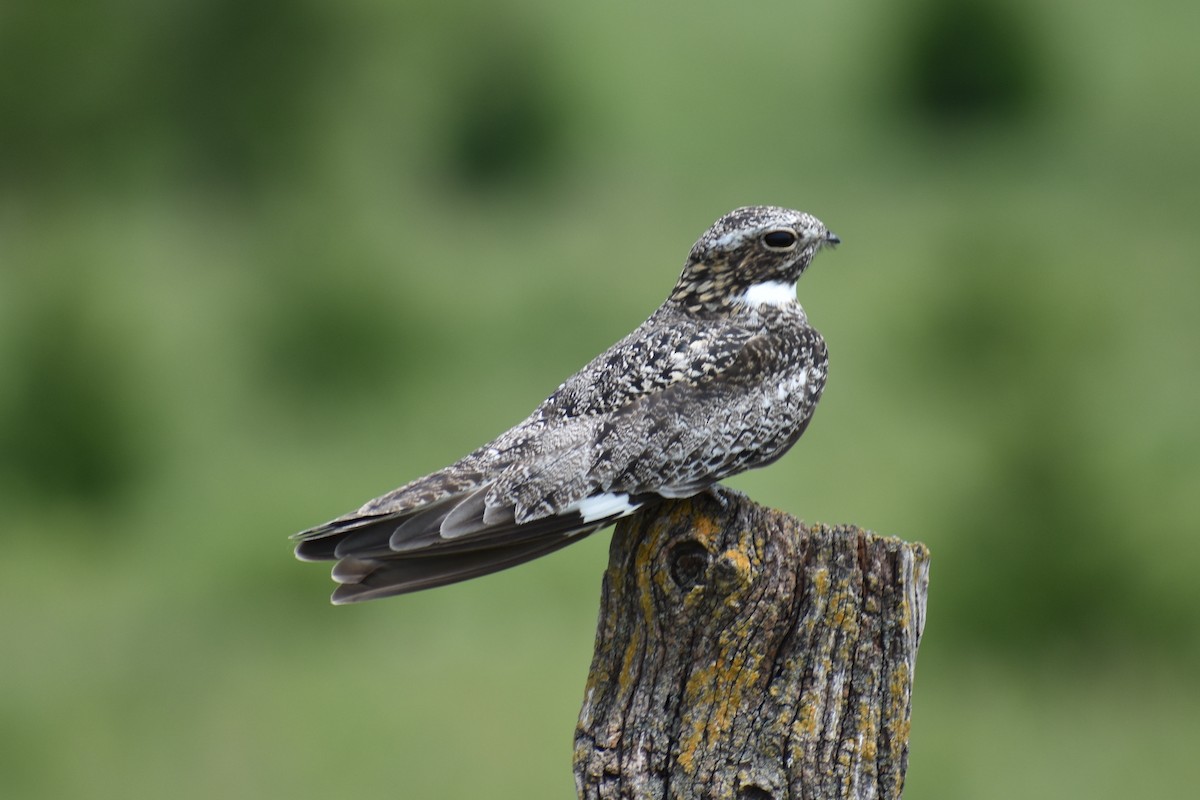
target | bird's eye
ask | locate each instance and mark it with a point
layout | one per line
(779, 240)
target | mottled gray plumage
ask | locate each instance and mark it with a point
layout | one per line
(723, 377)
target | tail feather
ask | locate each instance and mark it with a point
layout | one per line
(382, 555)
(375, 578)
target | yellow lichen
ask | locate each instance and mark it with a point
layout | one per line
(625, 683)
(820, 579)
(704, 528)
(644, 571)
(805, 725)
(716, 693)
(740, 562)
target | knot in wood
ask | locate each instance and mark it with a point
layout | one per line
(689, 562)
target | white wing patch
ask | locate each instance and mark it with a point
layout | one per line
(602, 506)
(770, 293)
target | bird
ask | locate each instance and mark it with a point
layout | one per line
(723, 377)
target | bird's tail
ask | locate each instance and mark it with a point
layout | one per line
(450, 540)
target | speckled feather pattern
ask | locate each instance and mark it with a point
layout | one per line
(712, 384)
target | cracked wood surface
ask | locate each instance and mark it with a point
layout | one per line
(742, 654)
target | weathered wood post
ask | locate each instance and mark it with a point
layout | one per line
(743, 655)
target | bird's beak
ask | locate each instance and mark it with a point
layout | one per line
(831, 239)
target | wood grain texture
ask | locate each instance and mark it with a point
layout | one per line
(741, 654)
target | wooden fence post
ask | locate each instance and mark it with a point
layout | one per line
(743, 655)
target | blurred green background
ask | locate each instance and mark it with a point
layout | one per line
(261, 260)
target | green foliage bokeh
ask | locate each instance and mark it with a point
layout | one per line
(260, 261)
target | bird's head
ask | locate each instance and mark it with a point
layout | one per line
(752, 256)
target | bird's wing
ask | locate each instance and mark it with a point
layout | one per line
(742, 414)
(541, 491)
(621, 408)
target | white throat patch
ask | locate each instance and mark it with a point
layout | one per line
(770, 293)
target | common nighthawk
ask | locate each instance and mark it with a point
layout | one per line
(723, 377)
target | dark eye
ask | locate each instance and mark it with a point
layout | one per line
(779, 240)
